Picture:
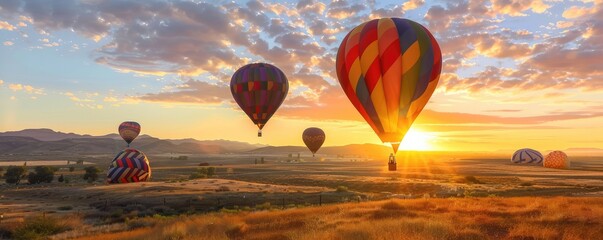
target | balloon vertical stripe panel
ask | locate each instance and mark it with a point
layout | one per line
(259, 89)
(389, 69)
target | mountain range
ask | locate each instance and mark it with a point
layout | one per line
(48, 141)
(39, 141)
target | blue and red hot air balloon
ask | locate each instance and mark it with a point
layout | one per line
(130, 165)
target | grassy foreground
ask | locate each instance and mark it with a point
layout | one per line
(457, 218)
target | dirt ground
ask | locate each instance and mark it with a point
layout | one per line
(284, 181)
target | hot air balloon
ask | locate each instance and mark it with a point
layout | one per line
(556, 159)
(527, 155)
(259, 89)
(130, 165)
(313, 138)
(129, 131)
(389, 68)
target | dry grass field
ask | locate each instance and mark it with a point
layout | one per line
(455, 218)
(429, 197)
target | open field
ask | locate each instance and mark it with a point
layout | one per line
(290, 183)
(452, 218)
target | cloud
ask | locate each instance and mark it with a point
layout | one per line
(412, 4)
(192, 91)
(576, 12)
(519, 7)
(17, 87)
(8, 43)
(7, 26)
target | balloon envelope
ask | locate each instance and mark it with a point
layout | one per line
(556, 159)
(389, 68)
(130, 165)
(129, 131)
(527, 155)
(259, 89)
(313, 138)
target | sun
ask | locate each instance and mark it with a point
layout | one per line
(417, 140)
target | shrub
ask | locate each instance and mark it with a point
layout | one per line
(41, 174)
(61, 178)
(472, 179)
(14, 174)
(203, 173)
(223, 189)
(38, 228)
(65, 208)
(71, 168)
(342, 189)
(91, 174)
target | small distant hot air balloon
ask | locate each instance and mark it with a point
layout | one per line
(527, 155)
(389, 68)
(313, 138)
(129, 131)
(259, 89)
(130, 165)
(556, 159)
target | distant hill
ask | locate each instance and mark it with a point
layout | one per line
(39, 141)
(352, 149)
(43, 134)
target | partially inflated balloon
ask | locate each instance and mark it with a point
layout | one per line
(313, 138)
(527, 155)
(129, 131)
(130, 165)
(389, 68)
(259, 89)
(556, 159)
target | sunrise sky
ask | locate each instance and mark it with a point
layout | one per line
(515, 74)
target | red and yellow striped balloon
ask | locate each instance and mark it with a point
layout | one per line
(389, 68)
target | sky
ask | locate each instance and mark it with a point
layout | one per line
(516, 73)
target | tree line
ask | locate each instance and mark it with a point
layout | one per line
(43, 174)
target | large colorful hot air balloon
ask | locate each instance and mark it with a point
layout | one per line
(389, 68)
(527, 155)
(556, 159)
(259, 89)
(129, 131)
(130, 165)
(313, 138)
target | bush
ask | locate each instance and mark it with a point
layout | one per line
(61, 178)
(472, 179)
(71, 168)
(41, 174)
(65, 208)
(203, 173)
(223, 189)
(342, 189)
(14, 174)
(91, 174)
(38, 228)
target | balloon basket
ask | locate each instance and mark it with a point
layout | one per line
(260, 133)
(392, 166)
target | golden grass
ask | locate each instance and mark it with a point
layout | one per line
(459, 218)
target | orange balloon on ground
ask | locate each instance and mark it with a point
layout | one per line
(556, 159)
